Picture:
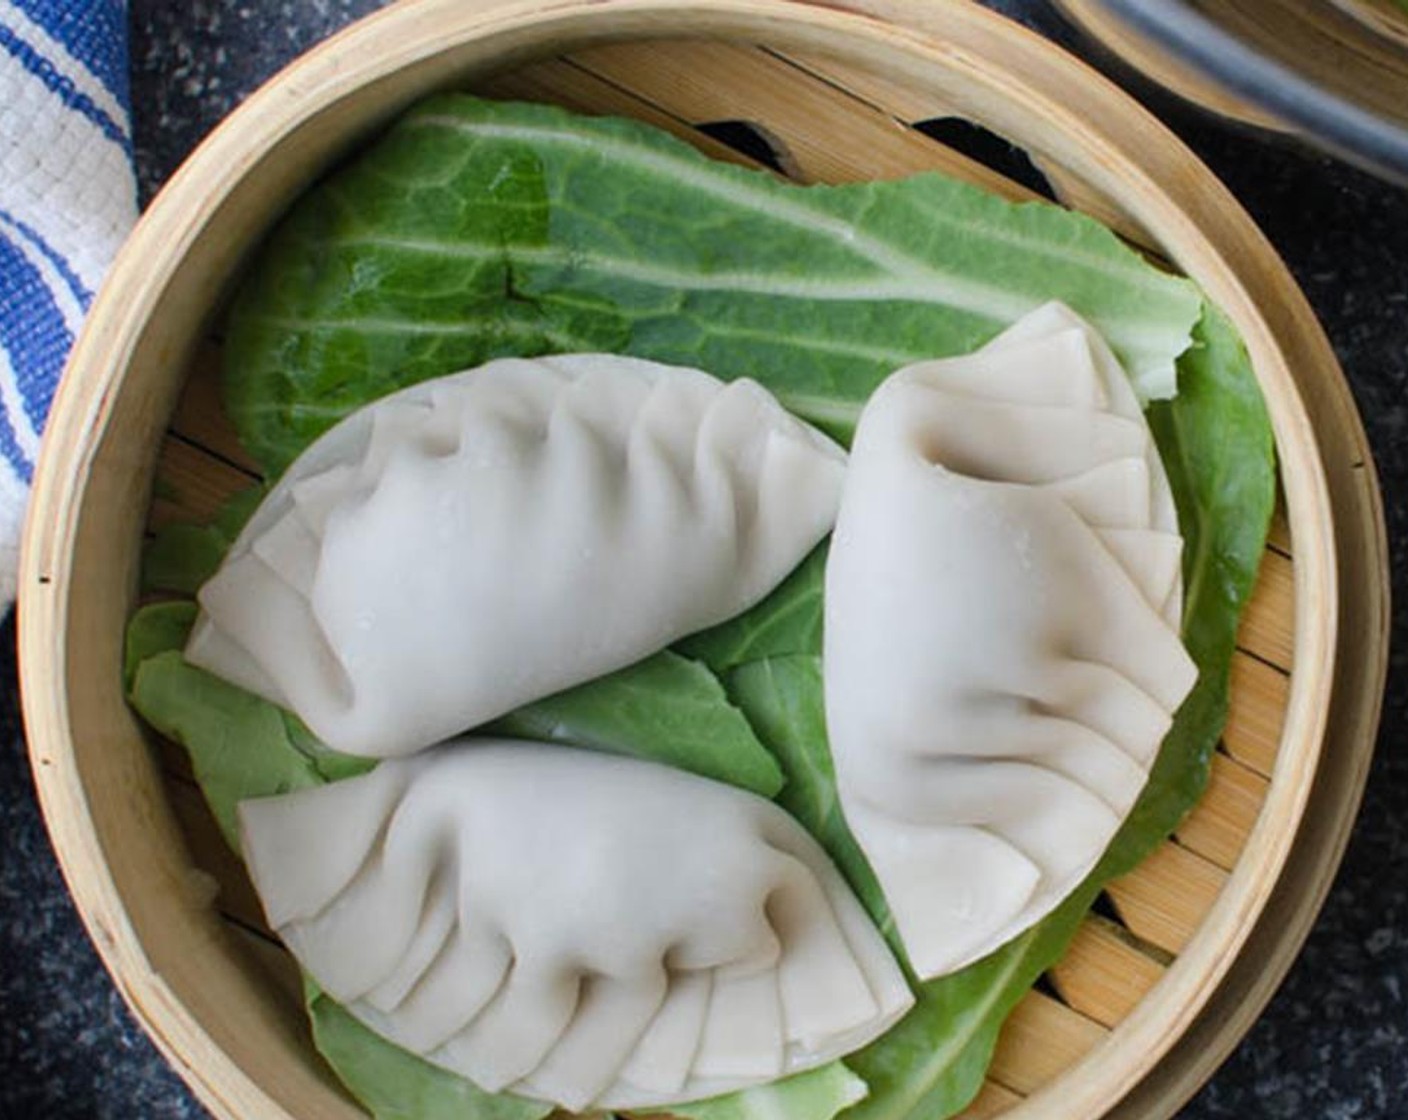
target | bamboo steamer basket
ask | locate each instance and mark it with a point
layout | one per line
(1174, 74)
(1172, 967)
(1333, 72)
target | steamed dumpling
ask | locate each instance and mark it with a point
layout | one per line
(1002, 649)
(474, 543)
(582, 928)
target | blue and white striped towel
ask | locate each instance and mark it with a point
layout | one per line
(67, 199)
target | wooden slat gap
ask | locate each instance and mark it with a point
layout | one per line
(1192, 853)
(1255, 717)
(1217, 827)
(1006, 1086)
(280, 968)
(1015, 191)
(196, 445)
(683, 122)
(1040, 1015)
(991, 1101)
(191, 486)
(957, 165)
(541, 83)
(1222, 751)
(1285, 670)
(172, 774)
(1168, 895)
(1103, 974)
(252, 931)
(1267, 626)
(1278, 530)
(834, 83)
(1143, 946)
(952, 162)
(982, 173)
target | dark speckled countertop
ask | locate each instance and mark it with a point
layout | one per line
(1334, 1042)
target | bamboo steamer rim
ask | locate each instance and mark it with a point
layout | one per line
(1332, 72)
(1138, 51)
(1384, 18)
(954, 42)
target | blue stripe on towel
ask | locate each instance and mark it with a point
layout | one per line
(10, 448)
(53, 256)
(94, 32)
(33, 332)
(63, 87)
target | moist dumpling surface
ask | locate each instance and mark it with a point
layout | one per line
(1002, 653)
(474, 543)
(586, 929)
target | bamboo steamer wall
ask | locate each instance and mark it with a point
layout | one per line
(835, 95)
(1354, 49)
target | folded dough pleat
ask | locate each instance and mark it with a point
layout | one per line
(742, 1038)
(949, 887)
(659, 1065)
(1114, 496)
(387, 895)
(348, 822)
(1043, 444)
(514, 1034)
(822, 992)
(1055, 320)
(432, 944)
(1001, 371)
(1154, 559)
(1108, 705)
(291, 551)
(611, 1015)
(473, 963)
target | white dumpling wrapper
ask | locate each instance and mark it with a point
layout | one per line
(578, 927)
(477, 542)
(1002, 655)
